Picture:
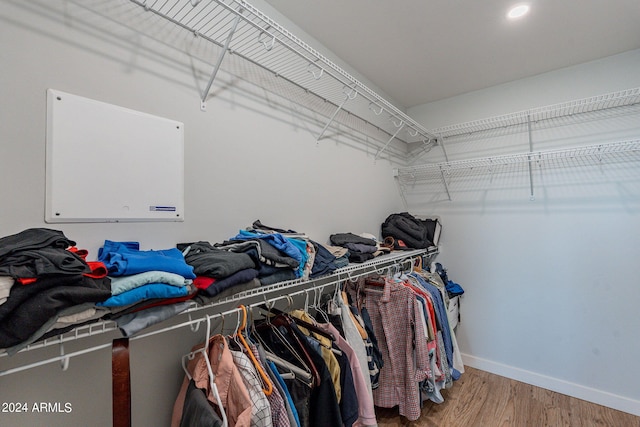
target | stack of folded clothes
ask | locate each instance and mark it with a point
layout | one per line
(292, 250)
(361, 247)
(50, 287)
(146, 286)
(326, 262)
(282, 254)
(340, 254)
(219, 272)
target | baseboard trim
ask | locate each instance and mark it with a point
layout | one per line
(589, 394)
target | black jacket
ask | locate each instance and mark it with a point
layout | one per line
(403, 226)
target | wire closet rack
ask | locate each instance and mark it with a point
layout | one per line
(555, 114)
(196, 314)
(445, 174)
(254, 47)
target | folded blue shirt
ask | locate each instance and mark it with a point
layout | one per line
(125, 258)
(279, 242)
(145, 292)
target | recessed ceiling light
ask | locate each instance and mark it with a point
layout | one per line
(518, 11)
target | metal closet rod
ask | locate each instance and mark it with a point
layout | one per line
(349, 272)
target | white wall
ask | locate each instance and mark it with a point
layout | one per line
(246, 158)
(551, 284)
(611, 74)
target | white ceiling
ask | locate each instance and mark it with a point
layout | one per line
(418, 51)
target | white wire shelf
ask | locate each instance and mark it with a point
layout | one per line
(570, 165)
(571, 109)
(198, 313)
(590, 155)
(272, 55)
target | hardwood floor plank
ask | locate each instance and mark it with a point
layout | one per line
(481, 399)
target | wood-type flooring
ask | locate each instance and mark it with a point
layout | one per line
(482, 399)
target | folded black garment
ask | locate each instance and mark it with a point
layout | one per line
(242, 276)
(267, 253)
(359, 257)
(46, 331)
(34, 238)
(210, 261)
(340, 239)
(33, 263)
(19, 294)
(203, 299)
(279, 275)
(26, 318)
(404, 226)
(251, 248)
(359, 247)
(257, 225)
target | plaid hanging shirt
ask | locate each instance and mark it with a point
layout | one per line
(395, 315)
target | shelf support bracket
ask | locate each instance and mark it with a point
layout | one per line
(440, 141)
(396, 177)
(531, 195)
(350, 93)
(64, 360)
(399, 126)
(444, 181)
(205, 92)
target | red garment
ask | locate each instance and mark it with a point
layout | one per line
(203, 282)
(82, 253)
(98, 271)
(165, 301)
(432, 344)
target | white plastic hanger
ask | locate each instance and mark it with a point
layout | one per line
(212, 384)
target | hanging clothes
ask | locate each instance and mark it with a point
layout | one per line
(197, 411)
(374, 356)
(317, 406)
(325, 350)
(352, 337)
(395, 315)
(279, 414)
(292, 413)
(276, 340)
(326, 345)
(366, 411)
(260, 408)
(442, 318)
(233, 394)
